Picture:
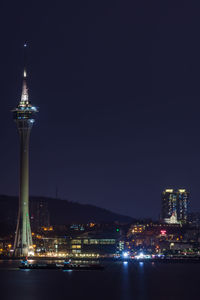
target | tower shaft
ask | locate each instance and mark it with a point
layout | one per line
(23, 239)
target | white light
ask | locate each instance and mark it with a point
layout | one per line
(143, 256)
(125, 254)
(140, 256)
(31, 253)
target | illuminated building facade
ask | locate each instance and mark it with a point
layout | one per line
(175, 206)
(47, 244)
(169, 204)
(100, 246)
(182, 205)
(24, 116)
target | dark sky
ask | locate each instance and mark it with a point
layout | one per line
(118, 87)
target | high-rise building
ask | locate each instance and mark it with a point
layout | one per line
(169, 205)
(182, 205)
(24, 116)
(39, 213)
(174, 206)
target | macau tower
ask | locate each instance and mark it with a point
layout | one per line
(24, 117)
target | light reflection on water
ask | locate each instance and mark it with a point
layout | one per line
(126, 282)
(142, 288)
(133, 284)
(119, 281)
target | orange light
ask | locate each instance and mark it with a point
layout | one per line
(50, 228)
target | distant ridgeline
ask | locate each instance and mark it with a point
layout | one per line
(45, 211)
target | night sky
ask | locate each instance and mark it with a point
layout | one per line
(117, 84)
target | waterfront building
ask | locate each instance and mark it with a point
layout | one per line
(102, 243)
(79, 243)
(24, 117)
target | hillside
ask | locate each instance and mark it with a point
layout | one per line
(60, 211)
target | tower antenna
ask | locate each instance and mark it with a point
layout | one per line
(24, 97)
(25, 59)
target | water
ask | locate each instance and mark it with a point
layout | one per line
(119, 281)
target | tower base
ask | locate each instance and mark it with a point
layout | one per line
(23, 245)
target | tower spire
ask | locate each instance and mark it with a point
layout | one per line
(24, 97)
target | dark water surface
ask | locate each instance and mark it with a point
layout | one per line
(124, 281)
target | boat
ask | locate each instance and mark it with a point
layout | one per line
(25, 265)
(40, 266)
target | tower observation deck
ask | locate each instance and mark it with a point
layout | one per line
(24, 115)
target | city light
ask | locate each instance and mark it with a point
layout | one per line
(125, 254)
(141, 255)
(163, 232)
(30, 253)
